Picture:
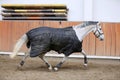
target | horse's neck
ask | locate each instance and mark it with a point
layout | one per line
(82, 32)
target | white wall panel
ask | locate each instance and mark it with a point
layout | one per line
(106, 10)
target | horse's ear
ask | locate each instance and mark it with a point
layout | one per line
(98, 23)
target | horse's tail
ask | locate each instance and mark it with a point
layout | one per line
(18, 45)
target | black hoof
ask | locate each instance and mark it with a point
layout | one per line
(22, 63)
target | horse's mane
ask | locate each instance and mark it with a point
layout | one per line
(87, 23)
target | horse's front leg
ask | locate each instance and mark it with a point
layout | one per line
(85, 58)
(60, 63)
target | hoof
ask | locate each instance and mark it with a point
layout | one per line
(19, 67)
(50, 68)
(55, 69)
(85, 65)
(22, 63)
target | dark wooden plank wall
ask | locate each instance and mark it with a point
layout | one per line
(10, 32)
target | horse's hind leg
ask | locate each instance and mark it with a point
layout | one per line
(60, 63)
(24, 57)
(46, 62)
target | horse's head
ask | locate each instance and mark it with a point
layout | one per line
(86, 27)
(98, 32)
